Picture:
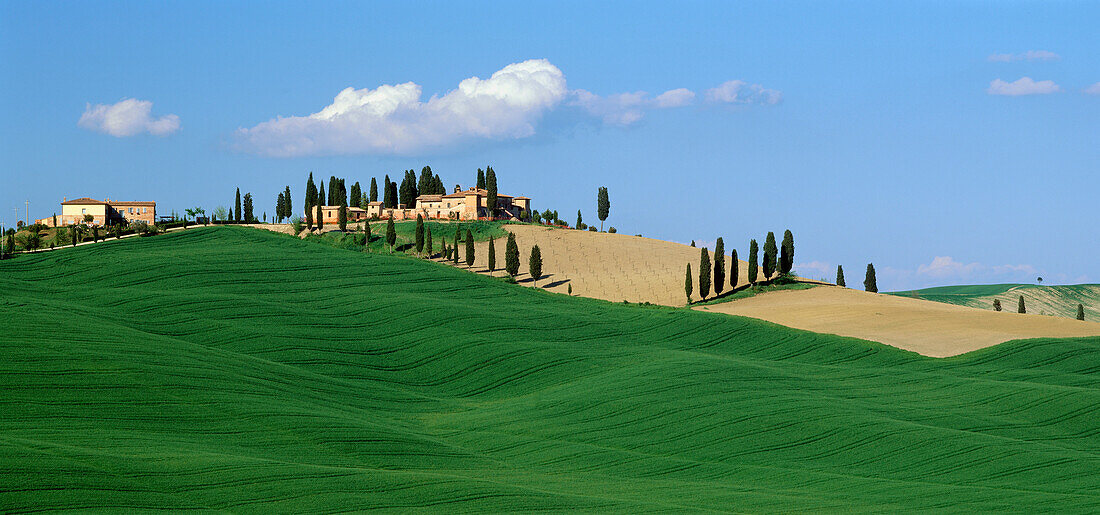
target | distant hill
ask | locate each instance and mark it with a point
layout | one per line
(237, 370)
(1041, 300)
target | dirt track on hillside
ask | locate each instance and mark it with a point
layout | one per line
(928, 328)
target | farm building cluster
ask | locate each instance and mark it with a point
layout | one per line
(469, 204)
(102, 212)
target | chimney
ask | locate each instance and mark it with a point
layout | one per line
(458, 188)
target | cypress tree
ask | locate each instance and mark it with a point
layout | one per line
(75, 233)
(786, 253)
(426, 184)
(511, 256)
(491, 189)
(719, 267)
(342, 217)
(386, 200)
(373, 190)
(391, 190)
(419, 234)
(237, 211)
(687, 283)
(840, 276)
(692, 241)
(322, 199)
(733, 270)
(869, 282)
(1080, 312)
(428, 244)
(356, 194)
(580, 221)
(366, 236)
(469, 248)
(704, 273)
(480, 179)
(320, 218)
(310, 199)
(391, 234)
(249, 215)
(753, 251)
(769, 255)
(458, 238)
(279, 208)
(1020, 308)
(996, 304)
(535, 265)
(492, 256)
(288, 211)
(603, 206)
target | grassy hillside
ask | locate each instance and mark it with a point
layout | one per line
(1049, 300)
(406, 234)
(236, 369)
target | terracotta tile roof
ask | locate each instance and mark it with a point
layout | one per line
(82, 200)
(429, 198)
(375, 203)
(132, 203)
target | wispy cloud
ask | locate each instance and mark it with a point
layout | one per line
(816, 270)
(1030, 55)
(127, 117)
(741, 92)
(943, 270)
(394, 120)
(1022, 86)
(1093, 89)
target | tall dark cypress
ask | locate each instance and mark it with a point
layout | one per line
(458, 238)
(491, 188)
(688, 281)
(704, 273)
(580, 221)
(428, 244)
(373, 190)
(288, 211)
(492, 256)
(391, 234)
(719, 267)
(311, 198)
(480, 179)
(320, 217)
(511, 256)
(391, 190)
(1020, 308)
(603, 206)
(356, 194)
(280, 205)
(786, 253)
(386, 201)
(840, 276)
(870, 283)
(733, 270)
(469, 248)
(342, 217)
(770, 251)
(424, 185)
(419, 234)
(534, 266)
(1080, 312)
(237, 210)
(322, 199)
(249, 216)
(753, 251)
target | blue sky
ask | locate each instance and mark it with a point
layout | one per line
(903, 135)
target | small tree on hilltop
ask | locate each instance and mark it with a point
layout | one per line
(491, 191)
(687, 283)
(692, 243)
(342, 216)
(419, 234)
(769, 255)
(535, 265)
(1080, 312)
(1021, 308)
(869, 282)
(288, 211)
(280, 206)
(996, 304)
(511, 256)
(249, 214)
(840, 276)
(391, 234)
(704, 273)
(373, 191)
(753, 251)
(786, 253)
(469, 248)
(492, 256)
(719, 267)
(580, 221)
(733, 270)
(237, 209)
(603, 205)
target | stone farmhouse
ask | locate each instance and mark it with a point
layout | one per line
(470, 204)
(103, 212)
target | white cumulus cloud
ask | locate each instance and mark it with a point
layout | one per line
(741, 92)
(1093, 89)
(128, 117)
(394, 120)
(946, 266)
(1030, 55)
(1022, 86)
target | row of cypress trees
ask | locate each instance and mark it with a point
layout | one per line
(777, 262)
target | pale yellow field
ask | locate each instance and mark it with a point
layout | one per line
(613, 267)
(929, 328)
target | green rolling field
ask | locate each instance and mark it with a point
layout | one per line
(234, 369)
(1046, 300)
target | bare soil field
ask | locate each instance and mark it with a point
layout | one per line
(614, 267)
(929, 328)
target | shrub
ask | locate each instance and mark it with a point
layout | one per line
(611, 230)
(996, 304)
(296, 222)
(1021, 308)
(1080, 312)
(593, 229)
